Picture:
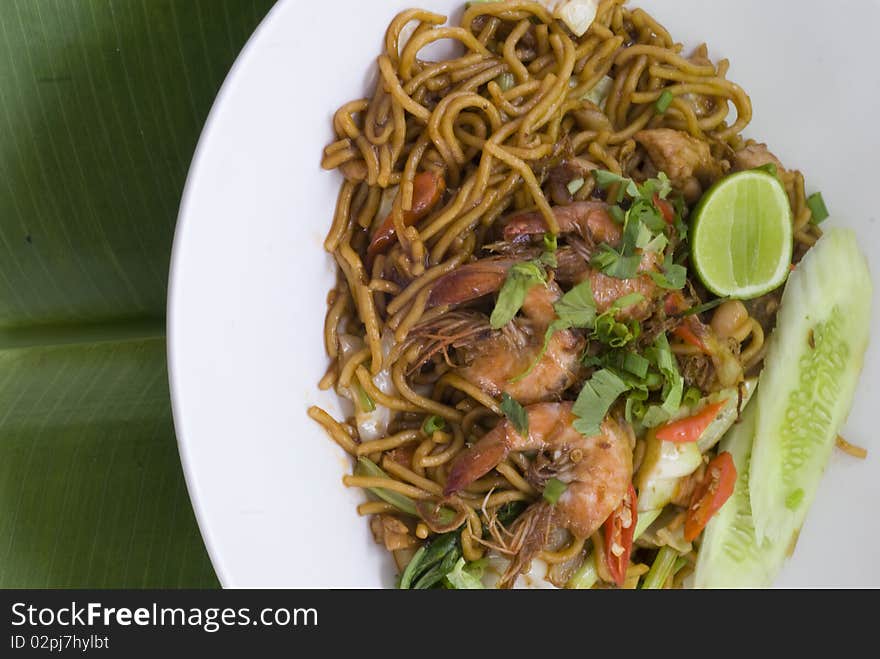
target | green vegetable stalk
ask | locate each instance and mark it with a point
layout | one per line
(661, 569)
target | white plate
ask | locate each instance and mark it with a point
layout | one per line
(249, 276)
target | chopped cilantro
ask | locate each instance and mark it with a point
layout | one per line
(595, 399)
(520, 279)
(515, 413)
(554, 489)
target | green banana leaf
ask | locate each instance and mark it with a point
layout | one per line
(101, 105)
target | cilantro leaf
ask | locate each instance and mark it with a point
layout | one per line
(673, 276)
(553, 489)
(653, 243)
(615, 264)
(673, 389)
(644, 211)
(577, 308)
(595, 399)
(644, 237)
(661, 186)
(627, 301)
(548, 259)
(520, 279)
(605, 179)
(515, 413)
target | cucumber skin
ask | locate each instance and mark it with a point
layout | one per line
(805, 394)
(729, 554)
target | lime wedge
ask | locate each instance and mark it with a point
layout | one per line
(741, 239)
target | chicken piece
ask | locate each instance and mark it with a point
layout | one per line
(686, 160)
(755, 155)
(391, 532)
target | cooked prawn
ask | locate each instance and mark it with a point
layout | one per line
(494, 359)
(597, 470)
(589, 219)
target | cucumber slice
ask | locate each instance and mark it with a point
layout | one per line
(805, 391)
(730, 556)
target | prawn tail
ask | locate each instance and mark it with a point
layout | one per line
(590, 219)
(470, 282)
(477, 461)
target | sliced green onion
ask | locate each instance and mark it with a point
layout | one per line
(661, 568)
(691, 397)
(364, 401)
(553, 490)
(817, 207)
(635, 364)
(664, 101)
(653, 381)
(432, 424)
(575, 185)
(505, 81)
(551, 243)
(635, 406)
